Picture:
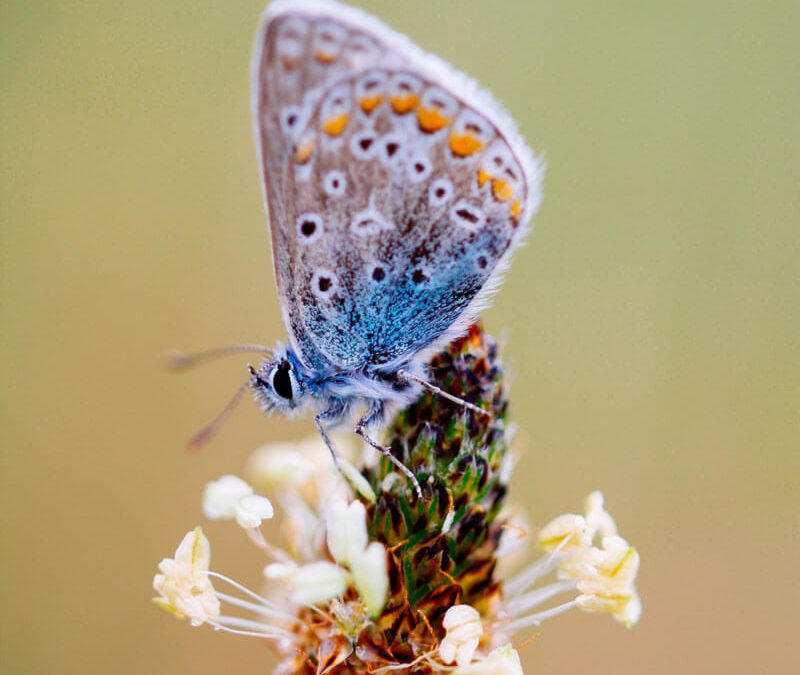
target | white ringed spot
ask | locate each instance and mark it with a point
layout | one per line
(334, 184)
(369, 222)
(419, 168)
(467, 215)
(309, 227)
(440, 192)
(324, 284)
(364, 144)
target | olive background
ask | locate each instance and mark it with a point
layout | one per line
(651, 322)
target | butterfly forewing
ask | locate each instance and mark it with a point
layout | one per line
(299, 51)
(392, 199)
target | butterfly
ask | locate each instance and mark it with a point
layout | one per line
(396, 191)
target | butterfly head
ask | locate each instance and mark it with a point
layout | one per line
(279, 383)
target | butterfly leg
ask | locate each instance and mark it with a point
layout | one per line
(441, 392)
(374, 413)
(332, 415)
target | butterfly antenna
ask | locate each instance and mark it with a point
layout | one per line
(210, 430)
(178, 360)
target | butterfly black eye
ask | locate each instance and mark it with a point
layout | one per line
(282, 381)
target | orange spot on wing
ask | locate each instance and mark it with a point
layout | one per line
(483, 176)
(304, 152)
(502, 189)
(288, 62)
(404, 104)
(516, 208)
(324, 57)
(464, 145)
(369, 103)
(335, 125)
(431, 119)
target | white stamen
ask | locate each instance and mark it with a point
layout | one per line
(237, 622)
(346, 531)
(536, 619)
(533, 573)
(406, 666)
(264, 602)
(252, 510)
(221, 496)
(257, 537)
(527, 601)
(256, 609)
(464, 630)
(246, 633)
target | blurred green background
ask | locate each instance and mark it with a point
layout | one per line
(652, 321)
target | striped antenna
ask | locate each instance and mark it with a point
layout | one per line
(178, 360)
(210, 430)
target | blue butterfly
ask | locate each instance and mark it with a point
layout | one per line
(396, 192)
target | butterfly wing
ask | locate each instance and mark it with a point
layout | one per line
(301, 47)
(396, 189)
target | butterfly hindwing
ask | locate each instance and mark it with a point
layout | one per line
(394, 199)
